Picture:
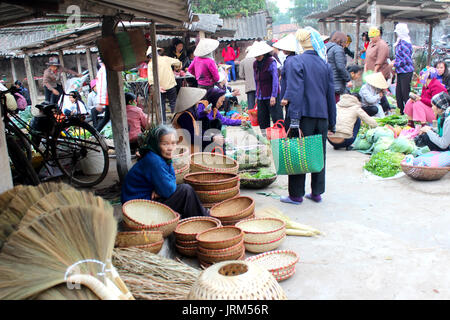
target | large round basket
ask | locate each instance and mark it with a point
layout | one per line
(187, 251)
(262, 229)
(424, 173)
(220, 237)
(207, 265)
(259, 247)
(217, 196)
(211, 181)
(220, 252)
(188, 229)
(234, 222)
(135, 238)
(281, 263)
(213, 162)
(153, 247)
(208, 258)
(181, 170)
(233, 209)
(256, 183)
(181, 155)
(236, 280)
(149, 215)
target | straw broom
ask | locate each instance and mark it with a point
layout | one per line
(153, 277)
(6, 197)
(37, 257)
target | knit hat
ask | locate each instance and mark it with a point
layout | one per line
(187, 97)
(374, 32)
(205, 47)
(304, 37)
(377, 80)
(427, 73)
(441, 100)
(53, 61)
(289, 43)
(259, 48)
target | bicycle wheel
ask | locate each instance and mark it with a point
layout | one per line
(81, 153)
(21, 168)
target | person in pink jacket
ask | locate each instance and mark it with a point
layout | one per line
(418, 108)
(136, 118)
(229, 55)
(204, 67)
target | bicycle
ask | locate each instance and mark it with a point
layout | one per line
(67, 143)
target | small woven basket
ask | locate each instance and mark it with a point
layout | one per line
(233, 209)
(262, 230)
(211, 181)
(153, 248)
(219, 252)
(207, 265)
(234, 222)
(281, 263)
(217, 196)
(256, 183)
(223, 257)
(424, 173)
(181, 156)
(236, 280)
(213, 162)
(149, 215)
(281, 276)
(220, 237)
(181, 172)
(188, 229)
(187, 244)
(256, 247)
(135, 238)
(187, 251)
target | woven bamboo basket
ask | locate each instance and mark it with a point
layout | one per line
(153, 248)
(188, 230)
(217, 196)
(149, 215)
(262, 229)
(233, 209)
(220, 237)
(211, 181)
(260, 247)
(281, 263)
(219, 252)
(213, 162)
(181, 155)
(134, 238)
(218, 258)
(256, 183)
(234, 222)
(187, 244)
(424, 173)
(236, 280)
(207, 265)
(187, 251)
(180, 172)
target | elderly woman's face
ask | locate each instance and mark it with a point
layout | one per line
(259, 58)
(167, 145)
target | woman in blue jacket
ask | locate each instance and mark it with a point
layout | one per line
(153, 176)
(312, 106)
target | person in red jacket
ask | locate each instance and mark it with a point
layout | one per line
(418, 108)
(229, 55)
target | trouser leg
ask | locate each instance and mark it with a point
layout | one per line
(186, 202)
(318, 178)
(263, 114)
(276, 112)
(251, 99)
(102, 123)
(163, 105)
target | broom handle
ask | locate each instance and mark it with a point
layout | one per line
(95, 285)
(120, 284)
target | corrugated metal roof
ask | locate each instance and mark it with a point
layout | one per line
(247, 28)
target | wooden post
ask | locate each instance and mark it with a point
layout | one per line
(117, 109)
(187, 40)
(31, 85)
(89, 63)
(63, 74)
(337, 26)
(79, 63)
(375, 15)
(201, 34)
(13, 69)
(5, 169)
(358, 25)
(323, 28)
(430, 43)
(157, 94)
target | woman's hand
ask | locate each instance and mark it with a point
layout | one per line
(155, 195)
(219, 139)
(284, 102)
(272, 101)
(425, 129)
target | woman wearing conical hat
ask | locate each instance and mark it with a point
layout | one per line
(371, 94)
(204, 67)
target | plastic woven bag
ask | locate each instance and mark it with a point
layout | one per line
(277, 131)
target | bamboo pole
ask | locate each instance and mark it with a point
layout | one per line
(78, 63)
(63, 74)
(358, 25)
(157, 94)
(31, 82)
(13, 69)
(430, 43)
(89, 63)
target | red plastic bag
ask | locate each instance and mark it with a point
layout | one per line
(277, 131)
(253, 114)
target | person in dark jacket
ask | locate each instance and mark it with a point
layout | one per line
(153, 176)
(312, 106)
(23, 91)
(338, 62)
(443, 73)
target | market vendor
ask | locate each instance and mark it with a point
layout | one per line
(137, 120)
(371, 94)
(153, 176)
(440, 140)
(204, 67)
(230, 95)
(52, 80)
(418, 108)
(209, 110)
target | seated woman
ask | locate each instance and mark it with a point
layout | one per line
(153, 176)
(209, 108)
(136, 118)
(440, 140)
(186, 120)
(230, 94)
(76, 105)
(348, 121)
(419, 108)
(371, 94)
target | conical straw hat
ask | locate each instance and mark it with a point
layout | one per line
(377, 80)
(205, 46)
(187, 97)
(149, 50)
(259, 48)
(289, 43)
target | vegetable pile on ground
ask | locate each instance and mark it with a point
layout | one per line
(393, 120)
(263, 173)
(385, 164)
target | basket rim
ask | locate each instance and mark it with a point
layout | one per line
(144, 226)
(219, 251)
(204, 218)
(139, 231)
(261, 232)
(286, 276)
(268, 242)
(186, 248)
(226, 180)
(277, 252)
(206, 264)
(252, 203)
(154, 244)
(177, 241)
(255, 179)
(234, 222)
(216, 192)
(241, 234)
(425, 168)
(227, 254)
(236, 164)
(182, 169)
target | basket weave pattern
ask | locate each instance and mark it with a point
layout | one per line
(217, 195)
(233, 209)
(211, 181)
(134, 238)
(220, 237)
(187, 230)
(281, 263)
(204, 161)
(424, 173)
(264, 246)
(262, 229)
(181, 173)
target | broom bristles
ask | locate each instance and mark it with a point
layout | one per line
(36, 257)
(6, 197)
(62, 292)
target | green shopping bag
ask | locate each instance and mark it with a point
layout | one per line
(298, 155)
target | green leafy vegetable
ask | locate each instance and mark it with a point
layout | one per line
(403, 145)
(382, 144)
(393, 120)
(385, 164)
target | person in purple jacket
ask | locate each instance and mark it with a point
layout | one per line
(404, 65)
(267, 84)
(215, 98)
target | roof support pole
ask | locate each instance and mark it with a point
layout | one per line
(430, 43)
(323, 28)
(63, 74)
(13, 69)
(89, 63)
(5, 169)
(158, 107)
(78, 63)
(117, 109)
(358, 26)
(30, 80)
(375, 14)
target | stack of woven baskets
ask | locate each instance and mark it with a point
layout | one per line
(181, 163)
(151, 241)
(213, 183)
(187, 230)
(262, 234)
(234, 210)
(220, 244)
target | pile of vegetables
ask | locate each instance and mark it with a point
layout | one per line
(392, 120)
(107, 131)
(385, 164)
(263, 173)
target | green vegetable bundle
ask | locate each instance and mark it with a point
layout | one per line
(393, 120)
(403, 145)
(385, 164)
